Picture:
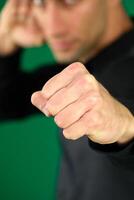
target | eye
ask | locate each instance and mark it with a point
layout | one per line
(38, 2)
(70, 2)
(66, 2)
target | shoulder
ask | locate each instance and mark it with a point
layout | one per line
(118, 78)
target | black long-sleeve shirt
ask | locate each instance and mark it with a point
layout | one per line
(89, 171)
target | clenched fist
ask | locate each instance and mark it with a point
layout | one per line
(82, 106)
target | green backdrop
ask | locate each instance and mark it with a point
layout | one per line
(29, 148)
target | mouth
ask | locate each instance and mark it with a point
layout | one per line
(61, 45)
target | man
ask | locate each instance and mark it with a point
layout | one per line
(92, 103)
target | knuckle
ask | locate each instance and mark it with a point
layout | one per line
(59, 121)
(45, 91)
(91, 80)
(34, 96)
(81, 82)
(37, 99)
(68, 135)
(50, 85)
(76, 67)
(50, 107)
(96, 99)
(92, 97)
(46, 88)
(86, 82)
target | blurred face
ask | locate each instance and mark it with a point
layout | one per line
(72, 28)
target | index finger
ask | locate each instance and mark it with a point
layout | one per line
(10, 6)
(24, 9)
(62, 79)
(13, 2)
(8, 14)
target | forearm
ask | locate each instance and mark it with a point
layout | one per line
(17, 86)
(9, 66)
(14, 88)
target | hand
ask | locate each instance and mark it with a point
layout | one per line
(18, 27)
(82, 106)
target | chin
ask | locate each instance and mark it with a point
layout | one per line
(65, 58)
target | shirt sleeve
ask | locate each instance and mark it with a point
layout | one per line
(122, 88)
(120, 154)
(17, 86)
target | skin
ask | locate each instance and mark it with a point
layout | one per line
(72, 39)
(75, 32)
(99, 115)
(90, 30)
(18, 27)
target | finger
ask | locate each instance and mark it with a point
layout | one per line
(10, 8)
(23, 10)
(30, 32)
(76, 110)
(62, 79)
(12, 3)
(71, 93)
(37, 12)
(79, 128)
(8, 15)
(33, 26)
(39, 101)
(75, 131)
(89, 124)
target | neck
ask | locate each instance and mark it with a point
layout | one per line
(117, 24)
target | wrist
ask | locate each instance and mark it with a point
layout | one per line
(129, 130)
(8, 46)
